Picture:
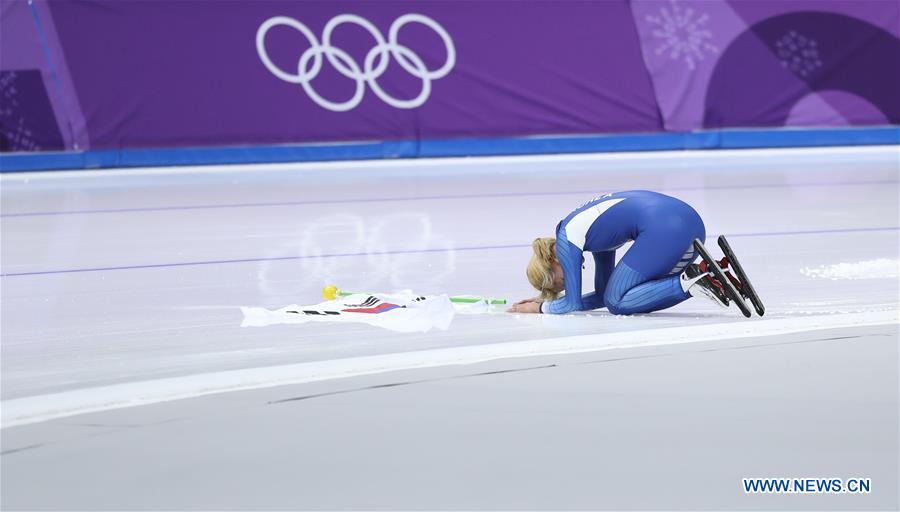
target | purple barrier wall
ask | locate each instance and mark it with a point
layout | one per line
(162, 73)
(772, 63)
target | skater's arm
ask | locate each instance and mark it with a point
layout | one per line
(570, 258)
(604, 262)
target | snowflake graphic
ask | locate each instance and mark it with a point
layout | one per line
(8, 93)
(682, 34)
(22, 139)
(798, 53)
(14, 132)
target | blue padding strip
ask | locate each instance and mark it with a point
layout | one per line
(718, 139)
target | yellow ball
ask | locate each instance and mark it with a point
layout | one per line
(330, 292)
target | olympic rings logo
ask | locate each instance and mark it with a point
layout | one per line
(374, 64)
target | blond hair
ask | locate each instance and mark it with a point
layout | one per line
(540, 268)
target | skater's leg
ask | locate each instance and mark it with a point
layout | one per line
(648, 277)
(631, 292)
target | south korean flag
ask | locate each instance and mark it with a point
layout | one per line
(402, 312)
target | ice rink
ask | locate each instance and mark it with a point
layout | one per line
(128, 383)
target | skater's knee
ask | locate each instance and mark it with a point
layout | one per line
(616, 309)
(624, 278)
(619, 309)
(614, 304)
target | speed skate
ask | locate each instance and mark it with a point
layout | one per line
(728, 275)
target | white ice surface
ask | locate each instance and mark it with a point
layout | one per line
(126, 278)
(671, 427)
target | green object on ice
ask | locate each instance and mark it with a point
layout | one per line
(473, 300)
(461, 300)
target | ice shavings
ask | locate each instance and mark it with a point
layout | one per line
(881, 268)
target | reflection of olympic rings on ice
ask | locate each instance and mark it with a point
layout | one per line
(374, 64)
(381, 265)
(411, 232)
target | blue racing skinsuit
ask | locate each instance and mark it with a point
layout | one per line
(648, 276)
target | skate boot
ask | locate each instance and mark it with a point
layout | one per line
(697, 281)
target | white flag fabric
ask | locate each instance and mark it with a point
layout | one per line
(401, 312)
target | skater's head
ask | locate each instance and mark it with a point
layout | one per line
(544, 271)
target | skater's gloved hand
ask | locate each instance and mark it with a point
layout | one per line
(532, 305)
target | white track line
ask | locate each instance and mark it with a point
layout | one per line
(23, 411)
(721, 157)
